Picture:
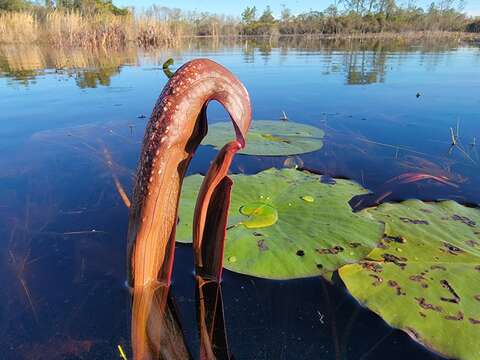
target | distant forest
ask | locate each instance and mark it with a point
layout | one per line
(362, 16)
(100, 21)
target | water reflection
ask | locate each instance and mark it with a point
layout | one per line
(363, 61)
(91, 67)
(156, 328)
(63, 225)
(92, 79)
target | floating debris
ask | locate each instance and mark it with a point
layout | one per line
(293, 162)
(122, 353)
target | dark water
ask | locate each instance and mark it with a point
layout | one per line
(63, 226)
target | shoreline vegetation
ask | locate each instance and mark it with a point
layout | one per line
(94, 23)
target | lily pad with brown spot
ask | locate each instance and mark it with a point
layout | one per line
(425, 277)
(270, 138)
(275, 233)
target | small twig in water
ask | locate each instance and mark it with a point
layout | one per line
(19, 267)
(321, 317)
(392, 146)
(93, 231)
(121, 352)
(118, 185)
(454, 138)
(374, 347)
(407, 178)
(455, 142)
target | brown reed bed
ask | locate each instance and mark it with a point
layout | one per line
(149, 30)
(18, 27)
(71, 29)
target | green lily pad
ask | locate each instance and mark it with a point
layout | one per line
(275, 232)
(270, 138)
(259, 215)
(425, 277)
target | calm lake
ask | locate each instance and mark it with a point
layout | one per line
(387, 108)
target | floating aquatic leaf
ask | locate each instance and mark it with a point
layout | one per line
(307, 238)
(270, 138)
(259, 214)
(424, 278)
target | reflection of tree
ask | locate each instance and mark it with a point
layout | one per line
(263, 45)
(249, 52)
(93, 78)
(363, 60)
(265, 49)
(23, 77)
(92, 67)
(365, 67)
(13, 65)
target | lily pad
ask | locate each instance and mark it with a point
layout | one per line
(258, 215)
(425, 277)
(286, 224)
(270, 138)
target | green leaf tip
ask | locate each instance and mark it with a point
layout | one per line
(259, 215)
(166, 68)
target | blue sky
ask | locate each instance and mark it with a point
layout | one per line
(235, 7)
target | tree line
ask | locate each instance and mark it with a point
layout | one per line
(82, 6)
(362, 16)
(343, 17)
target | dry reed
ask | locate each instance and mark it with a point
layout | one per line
(155, 28)
(70, 28)
(18, 27)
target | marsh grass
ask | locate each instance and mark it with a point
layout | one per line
(156, 27)
(18, 27)
(70, 28)
(153, 32)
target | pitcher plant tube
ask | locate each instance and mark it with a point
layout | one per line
(177, 126)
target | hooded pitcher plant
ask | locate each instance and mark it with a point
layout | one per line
(177, 126)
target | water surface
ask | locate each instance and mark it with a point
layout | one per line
(386, 107)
